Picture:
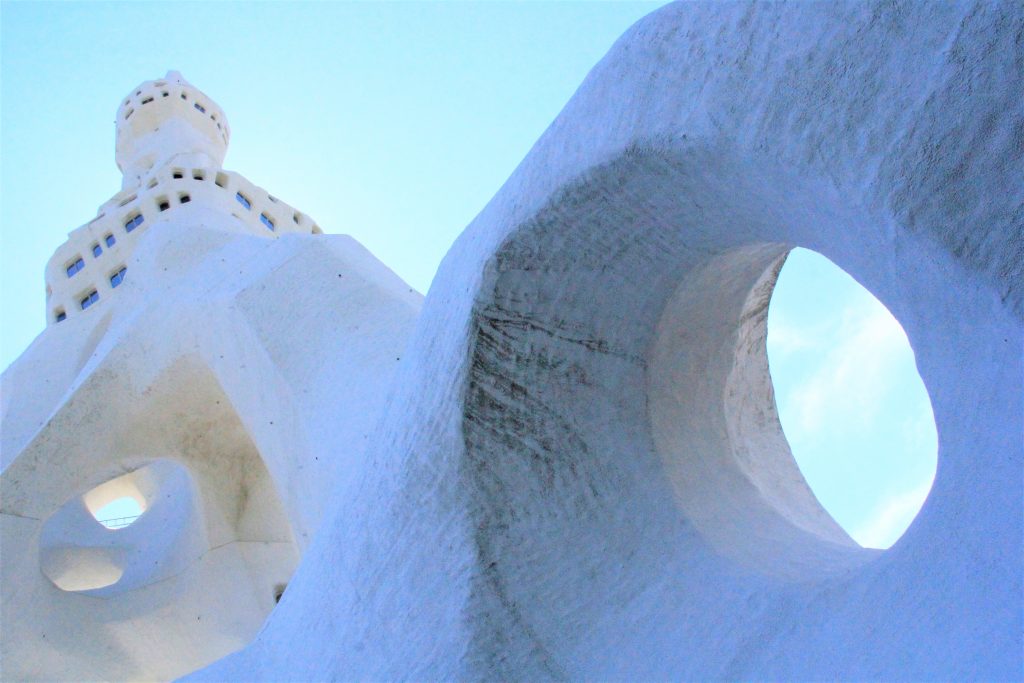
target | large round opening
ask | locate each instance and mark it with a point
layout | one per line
(851, 402)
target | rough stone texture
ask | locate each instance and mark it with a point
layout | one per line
(579, 473)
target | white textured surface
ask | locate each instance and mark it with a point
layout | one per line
(230, 382)
(529, 506)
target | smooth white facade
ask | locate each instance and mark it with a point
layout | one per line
(576, 471)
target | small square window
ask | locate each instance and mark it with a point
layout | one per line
(243, 200)
(61, 316)
(110, 240)
(198, 175)
(89, 299)
(184, 96)
(177, 175)
(133, 222)
(266, 220)
(164, 205)
(75, 266)
(296, 217)
(199, 107)
(184, 199)
(96, 250)
(165, 93)
(118, 277)
(221, 180)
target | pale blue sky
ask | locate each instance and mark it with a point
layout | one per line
(395, 123)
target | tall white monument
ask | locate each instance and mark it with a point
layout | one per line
(207, 351)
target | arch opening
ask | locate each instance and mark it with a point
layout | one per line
(96, 541)
(850, 401)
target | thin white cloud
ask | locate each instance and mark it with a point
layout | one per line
(892, 518)
(785, 338)
(853, 375)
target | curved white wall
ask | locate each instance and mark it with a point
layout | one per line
(579, 474)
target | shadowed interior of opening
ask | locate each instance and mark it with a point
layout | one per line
(851, 402)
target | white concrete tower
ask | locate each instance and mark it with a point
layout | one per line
(170, 144)
(213, 357)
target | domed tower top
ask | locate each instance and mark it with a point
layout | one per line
(165, 119)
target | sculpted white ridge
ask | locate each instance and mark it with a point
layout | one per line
(568, 465)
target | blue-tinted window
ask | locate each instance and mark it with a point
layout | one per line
(91, 298)
(133, 223)
(110, 240)
(97, 250)
(75, 267)
(266, 221)
(61, 315)
(199, 107)
(243, 200)
(118, 277)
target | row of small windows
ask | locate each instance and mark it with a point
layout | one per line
(221, 180)
(109, 239)
(200, 108)
(264, 218)
(79, 263)
(92, 297)
(164, 204)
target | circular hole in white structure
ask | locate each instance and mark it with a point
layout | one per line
(132, 530)
(119, 513)
(851, 402)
